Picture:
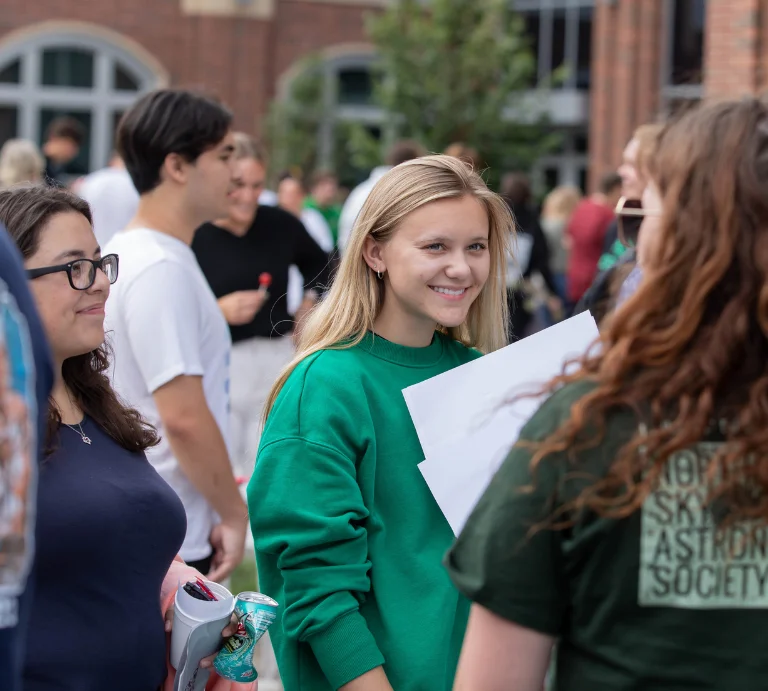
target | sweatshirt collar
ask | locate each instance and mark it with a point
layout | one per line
(403, 355)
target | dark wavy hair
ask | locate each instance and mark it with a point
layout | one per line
(690, 347)
(26, 211)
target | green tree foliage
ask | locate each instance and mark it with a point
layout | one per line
(448, 71)
(293, 122)
(456, 71)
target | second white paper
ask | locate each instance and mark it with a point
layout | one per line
(467, 420)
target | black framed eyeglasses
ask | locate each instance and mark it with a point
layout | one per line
(81, 272)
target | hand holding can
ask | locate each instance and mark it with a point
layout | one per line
(255, 613)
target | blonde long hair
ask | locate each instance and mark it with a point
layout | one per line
(354, 300)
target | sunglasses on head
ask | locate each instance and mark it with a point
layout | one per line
(629, 217)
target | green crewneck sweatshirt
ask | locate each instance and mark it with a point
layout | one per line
(349, 539)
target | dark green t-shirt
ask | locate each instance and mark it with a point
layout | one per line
(658, 601)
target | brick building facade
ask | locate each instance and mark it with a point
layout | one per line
(61, 56)
(651, 57)
(630, 61)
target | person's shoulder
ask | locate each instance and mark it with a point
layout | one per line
(205, 234)
(142, 252)
(322, 382)
(331, 369)
(274, 214)
(556, 409)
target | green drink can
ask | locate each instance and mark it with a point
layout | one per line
(255, 613)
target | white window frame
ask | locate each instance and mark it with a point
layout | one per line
(336, 112)
(673, 92)
(102, 100)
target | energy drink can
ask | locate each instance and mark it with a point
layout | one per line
(255, 613)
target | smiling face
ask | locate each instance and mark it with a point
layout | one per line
(248, 178)
(73, 319)
(433, 267)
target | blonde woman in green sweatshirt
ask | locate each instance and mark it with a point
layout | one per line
(349, 539)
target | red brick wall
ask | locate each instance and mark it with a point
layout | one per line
(627, 50)
(238, 58)
(732, 48)
(302, 28)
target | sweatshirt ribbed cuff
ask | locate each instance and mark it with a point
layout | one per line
(346, 649)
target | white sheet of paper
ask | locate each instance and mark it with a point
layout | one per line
(465, 421)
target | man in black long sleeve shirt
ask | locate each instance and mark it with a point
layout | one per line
(275, 241)
(262, 345)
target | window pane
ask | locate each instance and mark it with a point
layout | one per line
(11, 74)
(80, 164)
(581, 142)
(532, 33)
(558, 39)
(355, 86)
(551, 178)
(583, 179)
(67, 67)
(688, 42)
(583, 68)
(124, 80)
(9, 123)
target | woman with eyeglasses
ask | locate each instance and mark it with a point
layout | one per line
(630, 523)
(108, 527)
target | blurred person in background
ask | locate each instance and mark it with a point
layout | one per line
(323, 197)
(63, 140)
(400, 152)
(601, 297)
(556, 213)
(26, 378)
(20, 161)
(633, 514)
(633, 183)
(112, 197)
(585, 234)
(466, 153)
(245, 243)
(171, 342)
(291, 194)
(530, 257)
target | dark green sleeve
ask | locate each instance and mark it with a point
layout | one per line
(498, 561)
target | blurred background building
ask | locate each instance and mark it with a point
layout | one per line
(627, 60)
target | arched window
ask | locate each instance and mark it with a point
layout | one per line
(348, 95)
(75, 73)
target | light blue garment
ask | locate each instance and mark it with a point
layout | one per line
(630, 285)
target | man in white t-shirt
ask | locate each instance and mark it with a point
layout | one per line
(112, 197)
(170, 340)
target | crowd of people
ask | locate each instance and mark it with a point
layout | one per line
(207, 358)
